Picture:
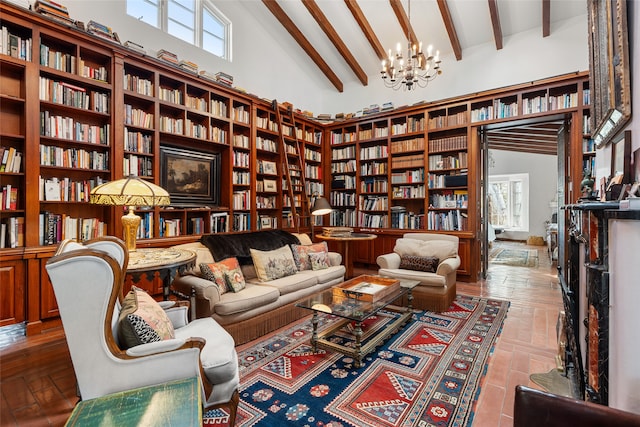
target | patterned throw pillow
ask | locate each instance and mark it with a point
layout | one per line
(428, 264)
(142, 320)
(214, 273)
(274, 264)
(319, 260)
(233, 274)
(301, 254)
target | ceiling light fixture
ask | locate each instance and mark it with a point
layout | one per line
(418, 69)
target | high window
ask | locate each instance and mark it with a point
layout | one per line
(197, 22)
(509, 201)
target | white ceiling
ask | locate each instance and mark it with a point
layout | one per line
(471, 20)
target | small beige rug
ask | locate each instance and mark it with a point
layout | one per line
(515, 257)
(553, 382)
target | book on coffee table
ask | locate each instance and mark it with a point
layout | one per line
(366, 288)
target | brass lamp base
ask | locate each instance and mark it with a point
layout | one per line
(130, 224)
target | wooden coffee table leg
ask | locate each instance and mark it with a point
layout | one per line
(358, 347)
(314, 336)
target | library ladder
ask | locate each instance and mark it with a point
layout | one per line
(293, 173)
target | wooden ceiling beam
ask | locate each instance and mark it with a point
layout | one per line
(451, 29)
(524, 149)
(495, 23)
(546, 18)
(366, 28)
(331, 33)
(291, 28)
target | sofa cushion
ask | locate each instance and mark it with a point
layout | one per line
(441, 249)
(288, 284)
(319, 260)
(142, 320)
(327, 275)
(239, 244)
(301, 254)
(425, 279)
(419, 263)
(252, 296)
(213, 272)
(273, 264)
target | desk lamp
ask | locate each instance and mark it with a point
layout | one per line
(130, 191)
(320, 207)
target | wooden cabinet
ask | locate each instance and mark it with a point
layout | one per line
(13, 289)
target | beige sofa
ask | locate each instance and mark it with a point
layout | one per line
(261, 307)
(437, 289)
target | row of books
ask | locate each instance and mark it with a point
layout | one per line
(55, 227)
(12, 233)
(66, 189)
(102, 31)
(14, 45)
(447, 221)
(9, 198)
(10, 160)
(402, 219)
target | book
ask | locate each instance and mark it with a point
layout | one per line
(52, 190)
(3, 235)
(135, 46)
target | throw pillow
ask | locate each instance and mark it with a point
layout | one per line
(428, 264)
(142, 320)
(301, 254)
(274, 264)
(214, 273)
(233, 274)
(319, 260)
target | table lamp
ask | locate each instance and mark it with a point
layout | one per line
(130, 191)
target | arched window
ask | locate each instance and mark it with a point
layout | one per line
(197, 22)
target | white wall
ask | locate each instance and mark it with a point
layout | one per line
(543, 186)
(271, 70)
(624, 385)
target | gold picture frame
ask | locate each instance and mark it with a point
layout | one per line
(609, 78)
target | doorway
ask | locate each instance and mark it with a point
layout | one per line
(528, 147)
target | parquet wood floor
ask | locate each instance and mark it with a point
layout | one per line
(38, 384)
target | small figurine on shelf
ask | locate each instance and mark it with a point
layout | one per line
(586, 186)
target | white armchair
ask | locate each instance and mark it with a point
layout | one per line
(87, 281)
(413, 256)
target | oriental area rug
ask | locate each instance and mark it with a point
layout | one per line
(514, 257)
(427, 374)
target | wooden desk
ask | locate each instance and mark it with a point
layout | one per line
(176, 403)
(345, 243)
(163, 263)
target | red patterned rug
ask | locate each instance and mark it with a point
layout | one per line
(429, 374)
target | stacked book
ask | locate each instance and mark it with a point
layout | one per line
(102, 31)
(135, 47)
(224, 78)
(204, 74)
(165, 55)
(337, 231)
(189, 66)
(54, 10)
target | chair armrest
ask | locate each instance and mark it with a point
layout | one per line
(390, 261)
(448, 266)
(178, 316)
(206, 292)
(335, 259)
(155, 347)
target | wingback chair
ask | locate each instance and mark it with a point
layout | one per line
(430, 258)
(87, 281)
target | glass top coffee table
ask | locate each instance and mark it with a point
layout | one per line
(356, 301)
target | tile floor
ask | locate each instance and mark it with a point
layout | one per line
(38, 385)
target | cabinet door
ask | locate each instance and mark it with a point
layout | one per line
(362, 251)
(48, 303)
(464, 250)
(12, 289)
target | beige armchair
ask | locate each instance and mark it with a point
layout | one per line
(429, 258)
(87, 281)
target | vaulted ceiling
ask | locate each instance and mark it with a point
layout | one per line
(348, 39)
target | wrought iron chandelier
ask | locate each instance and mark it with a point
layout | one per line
(417, 70)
